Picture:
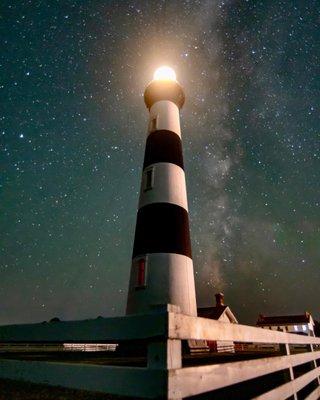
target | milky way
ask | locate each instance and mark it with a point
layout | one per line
(73, 129)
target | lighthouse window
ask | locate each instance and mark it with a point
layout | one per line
(153, 124)
(141, 273)
(149, 178)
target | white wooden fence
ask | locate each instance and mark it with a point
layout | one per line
(164, 376)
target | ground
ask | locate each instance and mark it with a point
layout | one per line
(15, 390)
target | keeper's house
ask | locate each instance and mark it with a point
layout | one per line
(301, 324)
(221, 313)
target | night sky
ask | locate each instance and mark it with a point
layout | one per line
(73, 130)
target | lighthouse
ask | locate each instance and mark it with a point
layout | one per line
(162, 267)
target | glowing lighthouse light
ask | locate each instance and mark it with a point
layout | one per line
(164, 74)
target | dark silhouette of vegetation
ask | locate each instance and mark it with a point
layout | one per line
(55, 319)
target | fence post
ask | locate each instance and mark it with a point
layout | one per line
(166, 354)
(285, 350)
(314, 362)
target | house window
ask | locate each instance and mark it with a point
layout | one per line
(149, 179)
(141, 270)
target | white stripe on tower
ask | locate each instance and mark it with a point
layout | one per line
(162, 267)
(166, 114)
(169, 185)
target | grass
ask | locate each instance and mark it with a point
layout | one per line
(16, 390)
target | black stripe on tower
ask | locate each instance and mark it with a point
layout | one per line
(162, 228)
(163, 146)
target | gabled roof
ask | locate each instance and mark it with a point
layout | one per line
(216, 313)
(211, 312)
(285, 319)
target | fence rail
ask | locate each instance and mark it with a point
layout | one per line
(165, 376)
(186, 327)
(125, 381)
(195, 380)
(291, 388)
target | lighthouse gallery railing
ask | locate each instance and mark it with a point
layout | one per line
(164, 376)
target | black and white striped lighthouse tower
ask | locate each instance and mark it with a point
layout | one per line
(162, 267)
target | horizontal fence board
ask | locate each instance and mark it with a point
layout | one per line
(315, 395)
(126, 381)
(186, 327)
(91, 330)
(288, 389)
(146, 326)
(195, 380)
